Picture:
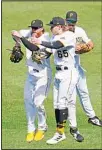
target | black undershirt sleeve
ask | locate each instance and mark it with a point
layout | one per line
(54, 45)
(33, 47)
(29, 45)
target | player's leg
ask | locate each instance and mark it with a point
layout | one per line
(49, 80)
(60, 116)
(44, 92)
(72, 110)
(40, 95)
(83, 93)
(72, 107)
(72, 118)
(29, 106)
(63, 87)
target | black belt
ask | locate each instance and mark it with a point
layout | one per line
(59, 68)
(35, 70)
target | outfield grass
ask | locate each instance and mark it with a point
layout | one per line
(18, 15)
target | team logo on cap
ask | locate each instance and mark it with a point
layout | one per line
(33, 21)
(71, 14)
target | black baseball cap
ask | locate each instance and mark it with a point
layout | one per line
(36, 23)
(71, 17)
(56, 21)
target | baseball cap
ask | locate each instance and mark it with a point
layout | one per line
(56, 21)
(71, 17)
(36, 23)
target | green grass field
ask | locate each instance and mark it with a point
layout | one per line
(18, 15)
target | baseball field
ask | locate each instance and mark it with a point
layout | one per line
(18, 15)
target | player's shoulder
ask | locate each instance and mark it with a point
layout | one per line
(79, 29)
(68, 32)
(25, 32)
(45, 36)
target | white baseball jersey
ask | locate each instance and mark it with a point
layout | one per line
(81, 37)
(65, 79)
(65, 57)
(31, 64)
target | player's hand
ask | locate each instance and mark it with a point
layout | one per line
(36, 41)
(16, 33)
(90, 45)
(78, 47)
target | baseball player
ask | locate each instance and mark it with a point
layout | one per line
(82, 90)
(37, 83)
(66, 76)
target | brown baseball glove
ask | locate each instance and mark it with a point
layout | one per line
(82, 48)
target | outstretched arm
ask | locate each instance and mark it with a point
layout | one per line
(33, 47)
(53, 45)
(27, 44)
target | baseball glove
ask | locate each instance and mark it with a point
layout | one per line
(84, 48)
(16, 54)
(39, 55)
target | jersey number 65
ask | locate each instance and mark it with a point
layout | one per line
(63, 53)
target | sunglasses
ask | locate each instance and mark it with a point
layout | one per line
(53, 27)
(35, 28)
(71, 24)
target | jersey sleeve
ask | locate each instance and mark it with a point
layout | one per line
(25, 33)
(68, 39)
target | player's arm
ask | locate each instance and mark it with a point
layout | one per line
(26, 43)
(29, 45)
(52, 45)
(24, 33)
(32, 47)
(86, 46)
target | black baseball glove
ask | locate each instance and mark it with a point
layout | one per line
(40, 54)
(16, 54)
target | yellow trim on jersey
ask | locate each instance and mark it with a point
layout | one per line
(38, 46)
(48, 50)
